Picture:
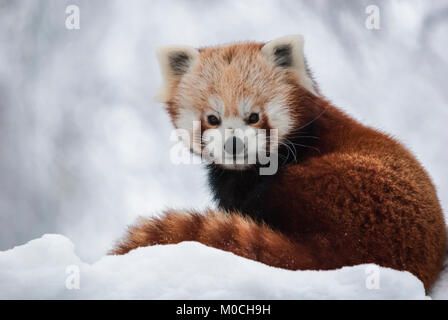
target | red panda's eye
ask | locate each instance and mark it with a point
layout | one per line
(213, 120)
(253, 118)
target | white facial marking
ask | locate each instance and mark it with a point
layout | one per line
(279, 117)
(217, 104)
(232, 123)
(244, 106)
(186, 119)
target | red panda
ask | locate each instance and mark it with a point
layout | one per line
(343, 193)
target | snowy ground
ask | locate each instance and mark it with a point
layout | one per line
(47, 267)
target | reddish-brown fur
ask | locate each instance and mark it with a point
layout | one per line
(357, 196)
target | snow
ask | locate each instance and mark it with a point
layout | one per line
(43, 269)
(439, 291)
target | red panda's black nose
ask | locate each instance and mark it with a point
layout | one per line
(234, 146)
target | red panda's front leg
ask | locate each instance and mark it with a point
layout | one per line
(226, 231)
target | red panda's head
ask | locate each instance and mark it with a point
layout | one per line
(241, 87)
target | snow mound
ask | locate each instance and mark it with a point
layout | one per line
(47, 267)
(439, 290)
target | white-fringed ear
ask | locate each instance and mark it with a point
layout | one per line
(174, 62)
(287, 52)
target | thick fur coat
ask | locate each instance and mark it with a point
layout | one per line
(344, 193)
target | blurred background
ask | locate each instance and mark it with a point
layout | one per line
(84, 147)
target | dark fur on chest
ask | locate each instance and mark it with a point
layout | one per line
(246, 191)
(242, 191)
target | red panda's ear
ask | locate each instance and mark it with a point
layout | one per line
(174, 62)
(287, 52)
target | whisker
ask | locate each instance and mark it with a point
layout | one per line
(288, 148)
(305, 146)
(317, 117)
(300, 136)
